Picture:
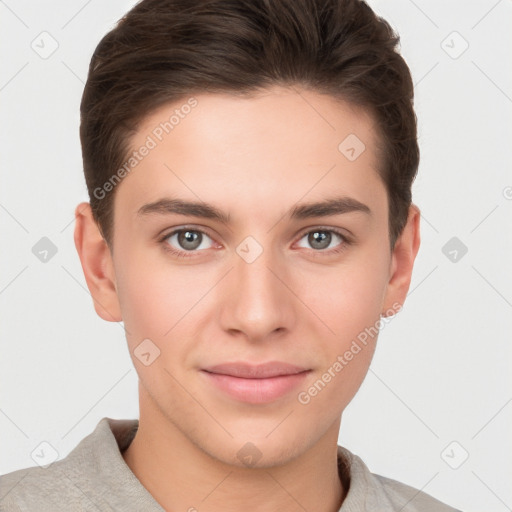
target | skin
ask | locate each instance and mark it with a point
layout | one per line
(254, 159)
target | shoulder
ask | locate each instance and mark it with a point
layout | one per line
(410, 498)
(83, 480)
(40, 488)
(375, 493)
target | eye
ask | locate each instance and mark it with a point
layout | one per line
(185, 240)
(322, 239)
(188, 242)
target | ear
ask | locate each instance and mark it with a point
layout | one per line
(402, 261)
(97, 264)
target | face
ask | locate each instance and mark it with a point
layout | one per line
(271, 278)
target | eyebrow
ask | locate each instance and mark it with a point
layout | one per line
(325, 208)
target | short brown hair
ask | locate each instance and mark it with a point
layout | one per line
(163, 51)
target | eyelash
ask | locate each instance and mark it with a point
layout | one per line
(346, 241)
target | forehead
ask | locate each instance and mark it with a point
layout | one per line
(279, 145)
(281, 117)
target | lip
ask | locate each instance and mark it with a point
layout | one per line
(256, 384)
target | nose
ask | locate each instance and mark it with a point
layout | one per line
(257, 302)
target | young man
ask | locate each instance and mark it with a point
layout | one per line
(249, 165)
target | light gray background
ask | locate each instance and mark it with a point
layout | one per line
(441, 372)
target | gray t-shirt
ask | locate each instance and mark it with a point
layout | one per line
(94, 477)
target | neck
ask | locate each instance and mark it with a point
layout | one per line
(182, 476)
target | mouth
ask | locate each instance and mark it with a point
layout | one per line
(256, 384)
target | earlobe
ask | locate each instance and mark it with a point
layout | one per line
(97, 264)
(402, 263)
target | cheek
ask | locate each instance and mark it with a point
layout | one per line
(350, 306)
(327, 394)
(347, 299)
(154, 297)
(348, 303)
